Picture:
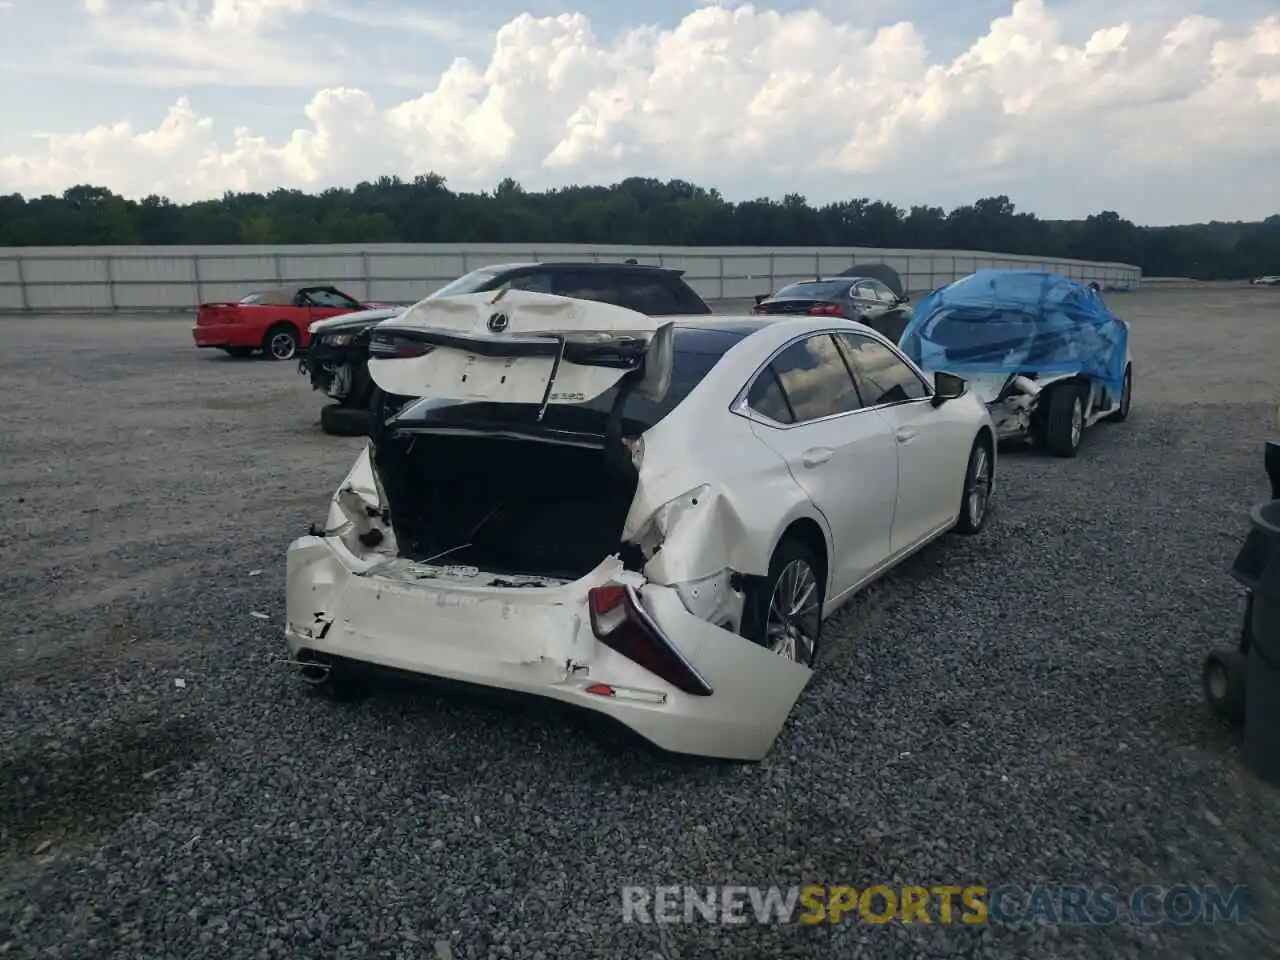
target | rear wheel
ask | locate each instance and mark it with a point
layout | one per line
(1064, 420)
(281, 342)
(1126, 398)
(339, 420)
(238, 351)
(784, 610)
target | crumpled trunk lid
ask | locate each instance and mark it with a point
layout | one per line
(518, 347)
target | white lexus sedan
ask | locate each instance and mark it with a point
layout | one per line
(646, 518)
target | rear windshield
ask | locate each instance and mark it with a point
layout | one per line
(471, 282)
(695, 353)
(817, 289)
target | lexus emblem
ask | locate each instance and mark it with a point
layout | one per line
(498, 322)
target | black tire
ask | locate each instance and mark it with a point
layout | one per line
(1223, 681)
(281, 342)
(1126, 398)
(973, 513)
(238, 352)
(1066, 407)
(338, 420)
(760, 593)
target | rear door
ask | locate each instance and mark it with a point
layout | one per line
(933, 446)
(805, 406)
(518, 347)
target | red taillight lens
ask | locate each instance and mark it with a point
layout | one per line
(620, 624)
(825, 310)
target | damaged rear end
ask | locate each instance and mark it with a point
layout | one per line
(511, 529)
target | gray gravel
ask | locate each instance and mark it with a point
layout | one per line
(1016, 707)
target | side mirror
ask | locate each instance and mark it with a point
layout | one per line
(761, 298)
(947, 386)
(905, 298)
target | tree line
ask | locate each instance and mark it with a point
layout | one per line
(635, 211)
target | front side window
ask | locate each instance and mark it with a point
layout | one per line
(815, 380)
(648, 296)
(885, 378)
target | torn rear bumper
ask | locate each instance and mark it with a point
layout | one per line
(538, 640)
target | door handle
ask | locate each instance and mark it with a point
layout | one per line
(817, 456)
(906, 435)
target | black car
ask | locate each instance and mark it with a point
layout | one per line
(871, 294)
(337, 360)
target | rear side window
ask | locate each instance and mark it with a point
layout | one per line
(766, 397)
(649, 295)
(815, 289)
(587, 285)
(815, 381)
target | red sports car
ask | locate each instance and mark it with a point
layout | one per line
(273, 321)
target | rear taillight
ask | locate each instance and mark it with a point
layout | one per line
(825, 310)
(621, 624)
(388, 346)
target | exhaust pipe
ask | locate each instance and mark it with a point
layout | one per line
(313, 668)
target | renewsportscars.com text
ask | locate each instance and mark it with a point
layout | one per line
(970, 904)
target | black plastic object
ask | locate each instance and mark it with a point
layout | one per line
(1257, 566)
(1272, 462)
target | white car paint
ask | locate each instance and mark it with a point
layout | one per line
(718, 486)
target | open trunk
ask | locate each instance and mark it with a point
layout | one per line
(504, 468)
(504, 506)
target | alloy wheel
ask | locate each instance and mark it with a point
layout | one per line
(283, 345)
(794, 614)
(979, 485)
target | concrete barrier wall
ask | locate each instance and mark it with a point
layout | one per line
(105, 279)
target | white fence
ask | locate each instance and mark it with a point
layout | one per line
(135, 279)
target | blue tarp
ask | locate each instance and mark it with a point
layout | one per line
(1018, 321)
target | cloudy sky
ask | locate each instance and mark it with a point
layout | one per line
(1165, 110)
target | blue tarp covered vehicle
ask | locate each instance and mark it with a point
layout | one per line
(1041, 349)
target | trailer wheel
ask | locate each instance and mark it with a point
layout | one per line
(1064, 420)
(1223, 679)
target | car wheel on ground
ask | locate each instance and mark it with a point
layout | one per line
(281, 342)
(977, 489)
(1126, 398)
(238, 351)
(783, 611)
(1064, 420)
(339, 420)
(1223, 679)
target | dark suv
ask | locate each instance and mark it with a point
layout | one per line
(337, 360)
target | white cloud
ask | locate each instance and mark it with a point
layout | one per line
(1181, 115)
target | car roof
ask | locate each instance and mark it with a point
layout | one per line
(554, 265)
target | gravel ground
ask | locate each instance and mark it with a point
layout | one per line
(1019, 707)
